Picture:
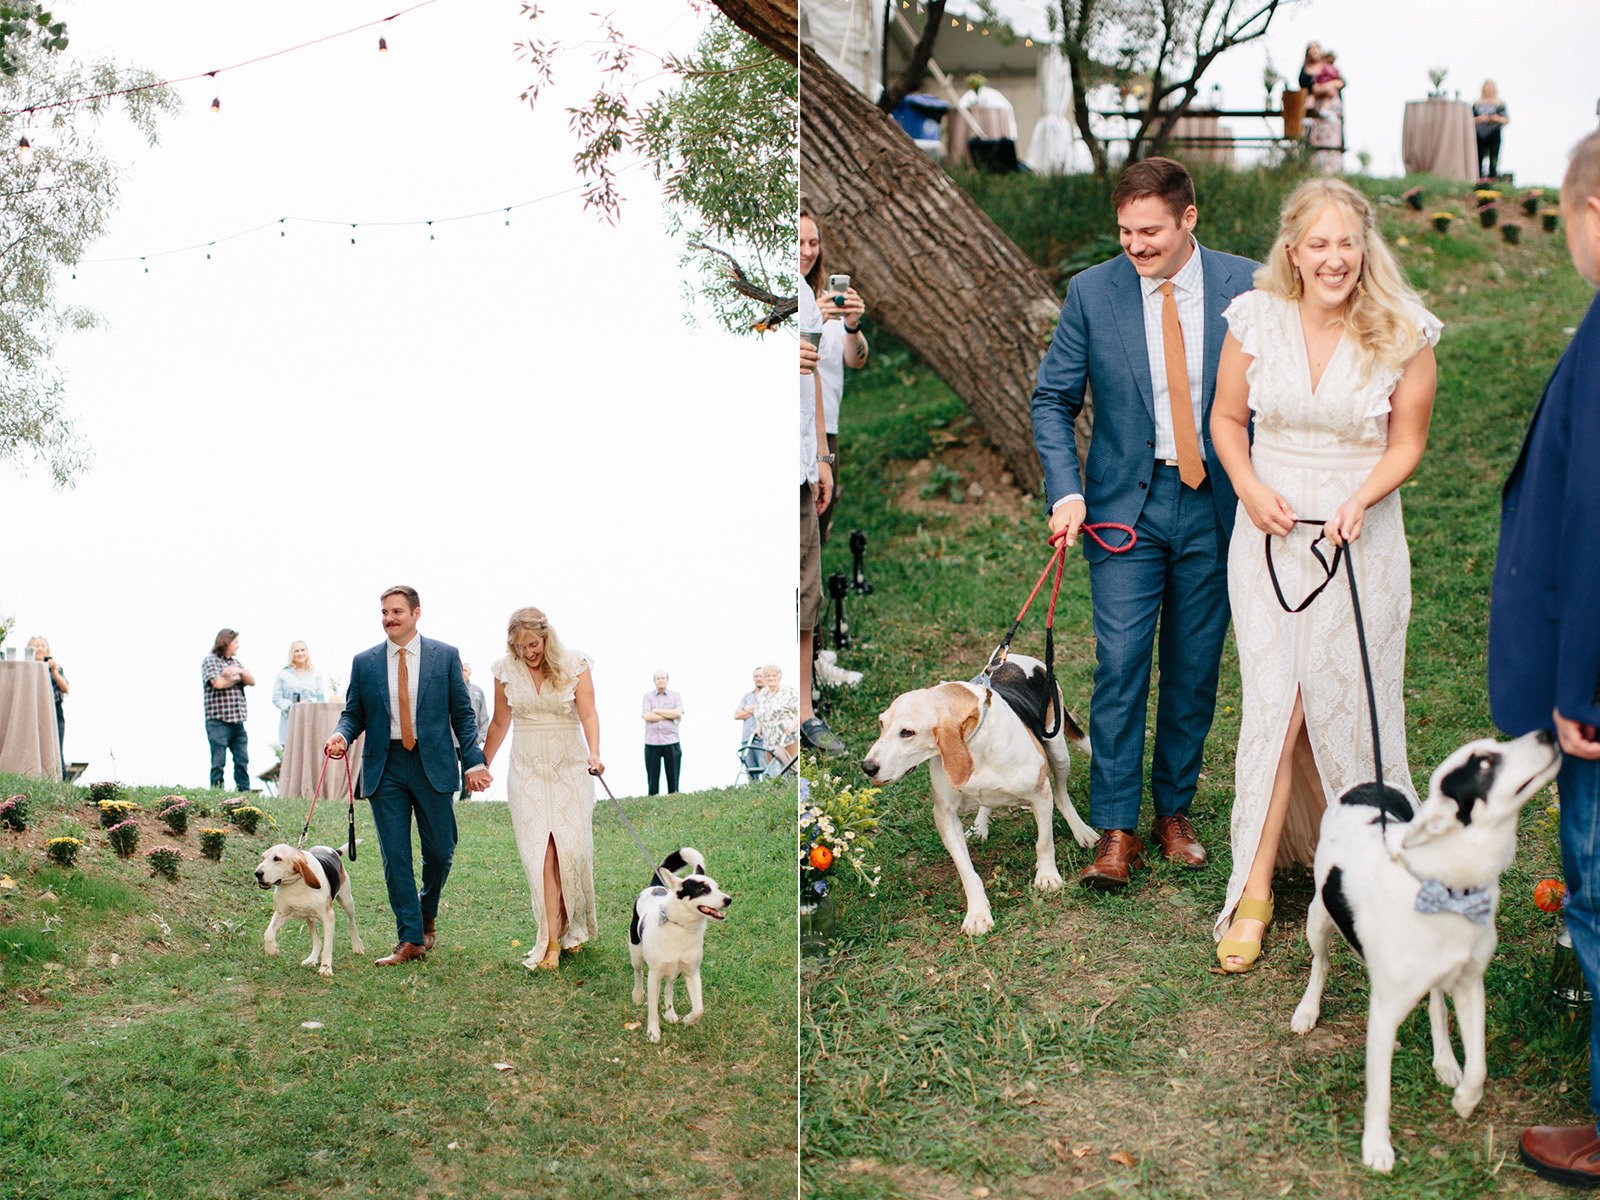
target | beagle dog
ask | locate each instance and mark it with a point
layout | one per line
(984, 746)
(308, 882)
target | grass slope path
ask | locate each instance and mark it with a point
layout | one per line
(149, 1048)
(1085, 1046)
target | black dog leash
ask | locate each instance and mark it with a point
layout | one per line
(1330, 569)
(655, 868)
(350, 791)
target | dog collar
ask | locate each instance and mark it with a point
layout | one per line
(1474, 904)
(981, 681)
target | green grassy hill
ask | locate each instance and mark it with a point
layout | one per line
(1085, 1046)
(149, 1048)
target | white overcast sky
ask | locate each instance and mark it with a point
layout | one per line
(502, 416)
(1542, 59)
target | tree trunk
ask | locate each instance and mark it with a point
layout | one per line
(934, 270)
(773, 23)
(917, 68)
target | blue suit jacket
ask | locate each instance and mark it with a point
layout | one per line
(1544, 611)
(1100, 341)
(443, 708)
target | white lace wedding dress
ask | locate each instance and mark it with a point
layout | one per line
(551, 793)
(1314, 448)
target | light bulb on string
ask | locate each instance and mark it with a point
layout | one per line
(430, 231)
(283, 230)
(508, 215)
(216, 100)
(352, 233)
(383, 45)
(24, 151)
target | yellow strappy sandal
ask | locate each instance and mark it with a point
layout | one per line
(1248, 952)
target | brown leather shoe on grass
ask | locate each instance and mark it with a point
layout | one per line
(427, 932)
(1178, 841)
(1568, 1154)
(1116, 855)
(403, 952)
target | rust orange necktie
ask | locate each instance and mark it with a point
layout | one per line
(408, 736)
(1191, 467)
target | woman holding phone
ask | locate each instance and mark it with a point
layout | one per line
(843, 344)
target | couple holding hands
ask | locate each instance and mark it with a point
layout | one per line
(408, 695)
(1328, 353)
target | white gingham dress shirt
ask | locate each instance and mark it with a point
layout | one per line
(1188, 289)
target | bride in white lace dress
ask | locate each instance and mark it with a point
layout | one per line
(545, 696)
(1332, 353)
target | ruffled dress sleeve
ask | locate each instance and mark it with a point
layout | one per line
(502, 669)
(1429, 326)
(1244, 322)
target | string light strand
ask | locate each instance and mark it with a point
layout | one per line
(260, 58)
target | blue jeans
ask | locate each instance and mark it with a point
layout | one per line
(1579, 784)
(226, 736)
(403, 790)
(1176, 576)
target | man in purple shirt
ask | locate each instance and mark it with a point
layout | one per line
(662, 712)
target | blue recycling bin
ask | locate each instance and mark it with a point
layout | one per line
(919, 115)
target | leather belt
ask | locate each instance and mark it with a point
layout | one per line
(1166, 462)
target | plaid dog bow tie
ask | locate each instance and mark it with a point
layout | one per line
(1472, 903)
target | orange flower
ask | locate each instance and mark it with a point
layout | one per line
(1548, 894)
(821, 857)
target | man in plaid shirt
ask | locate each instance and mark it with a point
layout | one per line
(224, 679)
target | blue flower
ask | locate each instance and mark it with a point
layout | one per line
(820, 888)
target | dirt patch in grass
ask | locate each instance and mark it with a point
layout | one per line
(968, 467)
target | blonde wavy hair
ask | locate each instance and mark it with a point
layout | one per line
(1380, 315)
(557, 671)
(289, 662)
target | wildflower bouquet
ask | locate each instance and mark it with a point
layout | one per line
(836, 827)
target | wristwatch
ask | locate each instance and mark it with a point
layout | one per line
(827, 458)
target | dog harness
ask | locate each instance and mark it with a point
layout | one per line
(330, 866)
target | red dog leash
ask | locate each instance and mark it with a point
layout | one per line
(350, 792)
(1058, 562)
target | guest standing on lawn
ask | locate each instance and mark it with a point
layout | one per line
(224, 678)
(662, 711)
(40, 648)
(408, 696)
(299, 682)
(1544, 638)
(1144, 330)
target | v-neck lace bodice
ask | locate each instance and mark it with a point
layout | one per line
(1348, 408)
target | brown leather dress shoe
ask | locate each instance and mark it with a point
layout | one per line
(427, 929)
(1568, 1154)
(1179, 844)
(1118, 852)
(403, 952)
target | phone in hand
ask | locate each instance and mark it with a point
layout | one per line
(838, 285)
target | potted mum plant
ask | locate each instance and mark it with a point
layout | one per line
(1441, 220)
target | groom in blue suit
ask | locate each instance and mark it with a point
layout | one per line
(1544, 630)
(408, 695)
(1144, 332)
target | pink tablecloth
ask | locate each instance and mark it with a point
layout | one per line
(310, 725)
(28, 720)
(1436, 138)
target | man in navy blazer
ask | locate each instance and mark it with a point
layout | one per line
(408, 695)
(1144, 332)
(1544, 629)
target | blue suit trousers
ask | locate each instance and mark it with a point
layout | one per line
(404, 790)
(1175, 579)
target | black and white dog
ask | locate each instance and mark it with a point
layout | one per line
(1415, 895)
(667, 936)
